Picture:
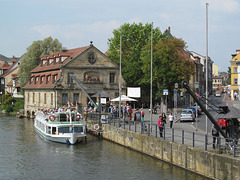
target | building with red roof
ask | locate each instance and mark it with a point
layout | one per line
(50, 85)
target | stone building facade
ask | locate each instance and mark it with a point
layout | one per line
(50, 85)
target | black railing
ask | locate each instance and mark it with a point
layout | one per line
(192, 139)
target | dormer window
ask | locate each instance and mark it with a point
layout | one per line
(37, 78)
(54, 78)
(50, 61)
(236, 59)
(57, 59)
(31, 80)
(48, 78)
(42, 79)
(63, 58)
(44, 61)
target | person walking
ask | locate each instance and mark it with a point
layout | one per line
(170, 119)
(215, 135)
(160, 126)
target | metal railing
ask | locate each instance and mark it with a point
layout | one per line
(191, 139)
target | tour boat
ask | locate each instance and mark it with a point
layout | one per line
(62, 127)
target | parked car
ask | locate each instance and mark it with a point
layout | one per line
(187, 115)
(218, 93)
(194, 110)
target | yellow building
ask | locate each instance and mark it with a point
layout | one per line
(235, 62)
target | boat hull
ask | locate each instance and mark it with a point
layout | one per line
(67, 138)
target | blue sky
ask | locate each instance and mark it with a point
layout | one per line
(76, 22)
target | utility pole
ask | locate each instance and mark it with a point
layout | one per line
(206, 65)
(120, 78)
(151, 77)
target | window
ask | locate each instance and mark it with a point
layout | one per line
(75, 98)
(235, 81)
(64, 98)
(50, 61)
(70, 80)
(2, 81)
(37, 78)
(39, 97)
(54, 78)
(235, 70)
(48, 78)
(44, 62)
(42, 79)
(57, 60)
(28, 97)
(112, 78)
(51, 99)
(45, 98)
(33, 97)
(31, 80)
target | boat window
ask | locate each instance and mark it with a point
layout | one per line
(78, 129)
(53, 130)
(63, 130)
(63, 117)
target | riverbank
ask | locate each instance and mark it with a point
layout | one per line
(206, 163)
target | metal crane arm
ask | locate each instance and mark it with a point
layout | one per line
(186, 86)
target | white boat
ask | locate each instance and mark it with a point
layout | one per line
(62, 127)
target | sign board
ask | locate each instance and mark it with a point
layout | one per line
(165, 92)
(134, 92)
(196, 84)
(176, 85)
(103, 100)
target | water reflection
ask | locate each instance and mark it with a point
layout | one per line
(25, 155)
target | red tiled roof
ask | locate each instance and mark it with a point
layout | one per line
(14, 75)
(42, 85)
(54, 66)
(10, 83)
(17, 85)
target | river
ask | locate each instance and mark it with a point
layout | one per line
(25, 155)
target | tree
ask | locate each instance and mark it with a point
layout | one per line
(170, 65)
(31, 58)
(134, 38)
(8, 101)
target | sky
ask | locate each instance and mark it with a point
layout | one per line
(76, 22)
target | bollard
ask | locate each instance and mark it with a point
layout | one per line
(172, 134)
(219, 145)
(148, 129)
(206, 142)
(129, 125)
(182, 136)
(141, 129)
(164, 132)
(193, 139)
(156, 130)
(124, 124)
(135, 126)
(234, 148)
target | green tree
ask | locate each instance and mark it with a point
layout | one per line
(170, 65)
(8, 102)
(31, 58)
(134, 38)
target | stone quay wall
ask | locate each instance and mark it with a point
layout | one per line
(208, 164)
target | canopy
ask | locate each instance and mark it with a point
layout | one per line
(103, 94)
(124, 98)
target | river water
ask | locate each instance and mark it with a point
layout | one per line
(25, 155)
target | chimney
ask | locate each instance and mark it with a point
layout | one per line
(237, 51)
(169, 29)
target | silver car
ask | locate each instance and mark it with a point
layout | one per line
(187, 115)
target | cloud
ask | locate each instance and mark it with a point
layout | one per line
(77, 30)
(226, 6)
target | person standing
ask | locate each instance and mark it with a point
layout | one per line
(170, 119)
(164, 119)
(160, 126)
(215, 135)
